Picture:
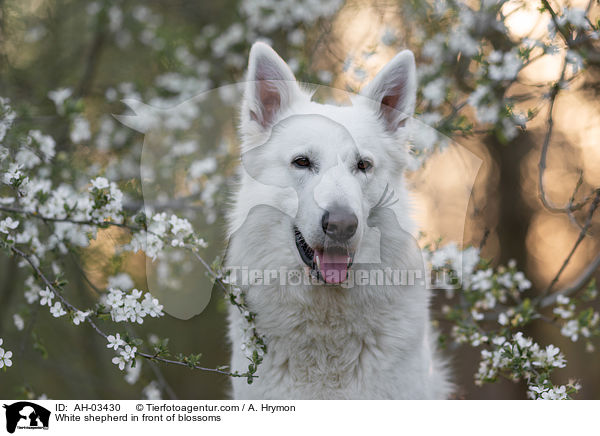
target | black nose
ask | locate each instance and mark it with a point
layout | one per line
(339, 223)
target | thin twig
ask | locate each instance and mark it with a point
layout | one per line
(580, 238)
(582, 280)
(544, 153)
(163, 381)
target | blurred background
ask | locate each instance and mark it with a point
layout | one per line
(98, 53)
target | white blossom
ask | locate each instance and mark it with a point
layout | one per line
(46, 144)
(128, 307)
(128, 352)
(575, 17)
(115, 341)
(125, 357)
(543, 393)
(201, 167)
(476, 315)
(46, 297)
(7, 117)
(79, 317)
(5, 357)
(120, 362)
(27, 158)
(296, 37)
(59, 96)
(521, 281)
(564, 312)
(133, 372)
(461, 41)
(575, 60)
(3, 150)
(121, 281)
(115, 18)
(325, 76)
(13, 173)
(504, 66)
(435, 91)
(18, 321)
(571, 330)
(482, 280)
(100, 183)
(32, 294)
(502, 319)
(152, 392)
(57, 310)
(8, 224)
(388, 37)
(80, 130)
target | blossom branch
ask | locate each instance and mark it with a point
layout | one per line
(66, 303)
(68, 220)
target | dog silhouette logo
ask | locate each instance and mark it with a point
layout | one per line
(26, 415)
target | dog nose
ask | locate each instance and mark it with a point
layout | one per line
(339, 223)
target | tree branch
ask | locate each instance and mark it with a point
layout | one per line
(90, 321)
(580, 238)
(544, 153)
(68, 220)
(578, 284)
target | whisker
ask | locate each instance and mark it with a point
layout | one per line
(381, 199)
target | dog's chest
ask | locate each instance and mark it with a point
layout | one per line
(359, 343)
(325, 353)
(325, 345)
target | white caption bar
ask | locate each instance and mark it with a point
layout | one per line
(298, 417)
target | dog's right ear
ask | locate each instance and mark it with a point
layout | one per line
(270, 89)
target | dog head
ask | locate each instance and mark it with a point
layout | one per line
(340, 160)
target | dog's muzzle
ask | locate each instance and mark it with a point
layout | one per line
(329, 264)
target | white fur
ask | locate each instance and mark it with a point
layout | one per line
(325, 341)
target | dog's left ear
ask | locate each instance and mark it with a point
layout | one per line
(393, 90)
(271, 86)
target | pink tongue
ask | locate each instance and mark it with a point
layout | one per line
(334, 266)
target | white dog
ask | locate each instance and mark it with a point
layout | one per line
(321, 199)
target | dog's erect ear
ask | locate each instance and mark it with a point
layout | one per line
(393, 90)
(271, 86)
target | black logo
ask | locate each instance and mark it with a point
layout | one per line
(26, 415)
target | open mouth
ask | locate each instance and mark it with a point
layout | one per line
(329, 264)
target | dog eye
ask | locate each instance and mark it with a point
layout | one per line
(301, 162)
(364, 165)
